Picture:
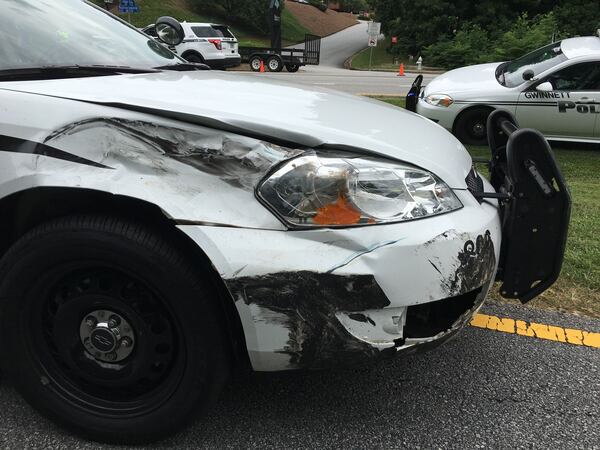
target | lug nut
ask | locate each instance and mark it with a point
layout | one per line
(90, 322)
(111, 356)
(114, 321)
(126, 342)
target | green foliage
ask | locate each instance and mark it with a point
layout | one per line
(354, 6)
(469, 46)
(318, 4)
(474, 45)
(252, 14)
(450, 33)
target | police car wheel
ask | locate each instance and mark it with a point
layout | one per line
(108, 329)
(471, 126)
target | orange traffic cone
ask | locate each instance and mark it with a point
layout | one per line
(262, 66)
(401, 70)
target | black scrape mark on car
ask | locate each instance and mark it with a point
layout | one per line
(477, 263)
(306, 303)
(234, 162)
(361, 318)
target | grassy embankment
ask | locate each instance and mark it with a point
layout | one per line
(578, 288)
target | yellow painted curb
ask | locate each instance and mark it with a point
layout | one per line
(538, 330)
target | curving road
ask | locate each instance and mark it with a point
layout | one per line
(338, 47)
(335, 50)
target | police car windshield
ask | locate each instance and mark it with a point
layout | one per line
(43, 33)
(510, 74)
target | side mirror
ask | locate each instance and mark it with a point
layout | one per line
(528, 75)
(546, 86)
(169, 30)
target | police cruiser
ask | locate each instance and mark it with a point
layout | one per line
(164, 225)
(554, 89)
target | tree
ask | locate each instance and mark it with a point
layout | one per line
(251, 13)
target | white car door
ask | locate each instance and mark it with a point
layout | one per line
(564, 104)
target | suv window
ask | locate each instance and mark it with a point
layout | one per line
(206, 32)
(224, 31)
(578, 77)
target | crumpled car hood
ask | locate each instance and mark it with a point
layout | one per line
(271, 110)
(480, 79)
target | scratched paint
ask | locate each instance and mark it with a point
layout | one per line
(537, 330)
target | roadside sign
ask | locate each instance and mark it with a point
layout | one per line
(374, 28)
(372, 41)
(128, 6)
(394, 39)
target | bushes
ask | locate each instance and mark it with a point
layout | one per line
(474, 45)
(318, 4)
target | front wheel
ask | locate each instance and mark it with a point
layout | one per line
(107, 329)
(292, 68)
(471, 126)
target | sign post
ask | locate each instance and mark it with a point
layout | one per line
(374, 31)
(128, 6)
(275, 23)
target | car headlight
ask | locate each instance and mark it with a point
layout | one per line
(439, 100)
(316, 190)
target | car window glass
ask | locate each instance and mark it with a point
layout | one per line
(578, 77)
(41, 33)
(205, 32)
(539, 61)
(224, 31)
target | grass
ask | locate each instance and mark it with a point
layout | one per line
(578, 288)
(292, 31)
(382, 60)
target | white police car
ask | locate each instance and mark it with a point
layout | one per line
(555, 89)
(163, 225)
(207, 43)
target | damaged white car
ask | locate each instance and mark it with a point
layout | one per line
(163, 225)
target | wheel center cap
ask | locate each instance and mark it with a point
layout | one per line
(103, 340)
(107, 336)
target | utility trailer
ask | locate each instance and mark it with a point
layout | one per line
(275, 59)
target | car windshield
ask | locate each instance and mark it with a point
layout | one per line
(510, 74)
(42, 33)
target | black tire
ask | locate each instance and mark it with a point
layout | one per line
(292, 68)
(470, 127)
(60, 272)
(275, 64)
(255, 62)
(194, 58)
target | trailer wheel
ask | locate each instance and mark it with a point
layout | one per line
(292, 67)
(255, 62)
(275, 64)
(109, 329)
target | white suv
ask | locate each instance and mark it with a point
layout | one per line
(211, 44)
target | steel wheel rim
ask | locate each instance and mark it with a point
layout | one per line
(137, 381)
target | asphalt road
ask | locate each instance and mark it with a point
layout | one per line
(335, 50)
(349, 81)
(483, 389)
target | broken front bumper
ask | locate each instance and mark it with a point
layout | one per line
(319, 298)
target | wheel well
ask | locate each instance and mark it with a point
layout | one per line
(27, 209)
(470, 108)
(187, 53)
